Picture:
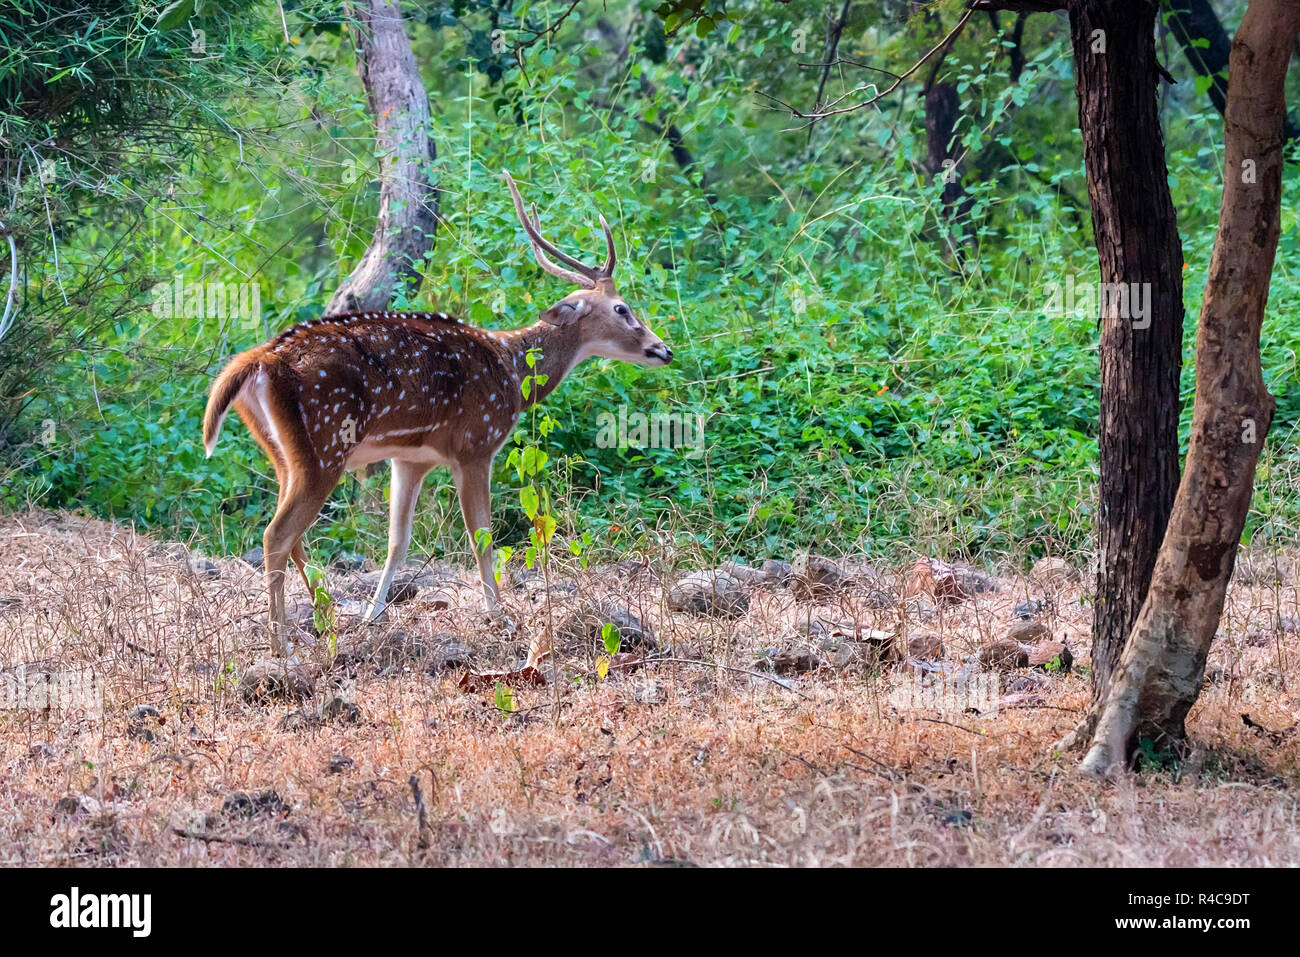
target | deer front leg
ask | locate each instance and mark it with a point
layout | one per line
(474, 487)
(404, 490)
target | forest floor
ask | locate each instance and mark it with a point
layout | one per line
(785, 733)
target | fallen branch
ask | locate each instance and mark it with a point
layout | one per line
(232, 839)
(894, 772)
(740, 671)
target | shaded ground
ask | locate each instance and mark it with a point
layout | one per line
(676, 762)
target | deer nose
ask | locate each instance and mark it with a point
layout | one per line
(660, 351)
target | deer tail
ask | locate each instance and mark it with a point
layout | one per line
(224, 390)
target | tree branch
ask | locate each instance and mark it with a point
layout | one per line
(879, 95)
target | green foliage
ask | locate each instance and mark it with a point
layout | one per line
(609, 637)
(870, 368)
(324, 612)
(505, 701)
(1149, 756)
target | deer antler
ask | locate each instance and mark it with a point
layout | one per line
(578, 273)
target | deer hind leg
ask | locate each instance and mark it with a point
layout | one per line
(283, 538)
(298, 554)
(273, 415)
(407, 479)
(474, 487)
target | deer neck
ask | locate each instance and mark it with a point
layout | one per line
(559, 349)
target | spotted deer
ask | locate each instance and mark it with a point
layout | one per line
(420, 388)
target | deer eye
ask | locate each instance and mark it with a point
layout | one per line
(623, 311)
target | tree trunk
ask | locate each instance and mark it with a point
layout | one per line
(1136, 234)
(1206, 45)
(1162, 667)
(408, 203)
(942, 110)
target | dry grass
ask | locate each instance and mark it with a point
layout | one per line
(676, 763)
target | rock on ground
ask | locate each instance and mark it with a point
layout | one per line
(709, 594)
(1052, 574)
(815, 578)
(276, 678)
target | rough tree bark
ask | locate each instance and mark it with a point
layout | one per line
(408, 203)
(1162, 667)
(1136, 235)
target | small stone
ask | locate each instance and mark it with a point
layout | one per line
(1028, 632)
(587, 625)
(743, 573)
(255, 804)
(349, 561)
(339, 763)
(341, 710)
(1257, 639)
(1051, 656)
(934, 579)
(204, 568)
(709, 593)
(925, 647)
(303, 720)
(814, 577)
(276, 678)
(1052, 574)
(1004, 655)
(255, 556)
(1030, 608)
(777, 571)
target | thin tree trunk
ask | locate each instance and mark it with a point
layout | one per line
(1163, 665)
(408, 202)
(942, 110)
(1206, 45)
(1136, 234)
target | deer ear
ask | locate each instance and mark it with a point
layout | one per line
(564, 312)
